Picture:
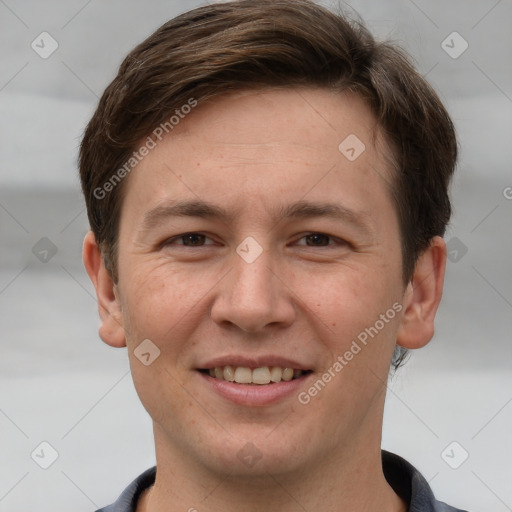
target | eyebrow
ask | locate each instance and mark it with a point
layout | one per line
(299, 210)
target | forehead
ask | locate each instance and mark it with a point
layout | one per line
(314, 119)
(267, 147)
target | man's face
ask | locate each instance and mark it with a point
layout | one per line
(299, 254)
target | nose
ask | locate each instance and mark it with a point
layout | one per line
(253, 297)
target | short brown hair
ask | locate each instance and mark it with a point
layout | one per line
(224, 47)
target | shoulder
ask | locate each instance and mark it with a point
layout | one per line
(411, 486)
(127, 501)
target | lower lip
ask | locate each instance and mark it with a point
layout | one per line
(255, 394)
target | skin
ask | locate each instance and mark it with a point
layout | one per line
(251, 153)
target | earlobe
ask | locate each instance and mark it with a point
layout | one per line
(422, 297)
(111, 330)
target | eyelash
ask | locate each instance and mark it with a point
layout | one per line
(171, 241)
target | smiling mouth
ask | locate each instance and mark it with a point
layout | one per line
(259, 376)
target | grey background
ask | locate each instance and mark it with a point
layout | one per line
(60, 384)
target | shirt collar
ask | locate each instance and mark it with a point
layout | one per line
(404, 478)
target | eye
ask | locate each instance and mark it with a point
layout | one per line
(199, 239)
(319, 240)
(188, 240)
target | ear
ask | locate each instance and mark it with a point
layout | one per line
(111, 330)
(422, 297)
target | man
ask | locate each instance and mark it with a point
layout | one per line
(267, 191)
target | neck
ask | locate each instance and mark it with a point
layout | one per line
(342, 482)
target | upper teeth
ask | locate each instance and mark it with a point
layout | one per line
(262, 375)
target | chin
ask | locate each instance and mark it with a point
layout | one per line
(259, 451)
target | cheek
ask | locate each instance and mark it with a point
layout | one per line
(347, 307)
(161, 302)
(159, 305)
(347, 299)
